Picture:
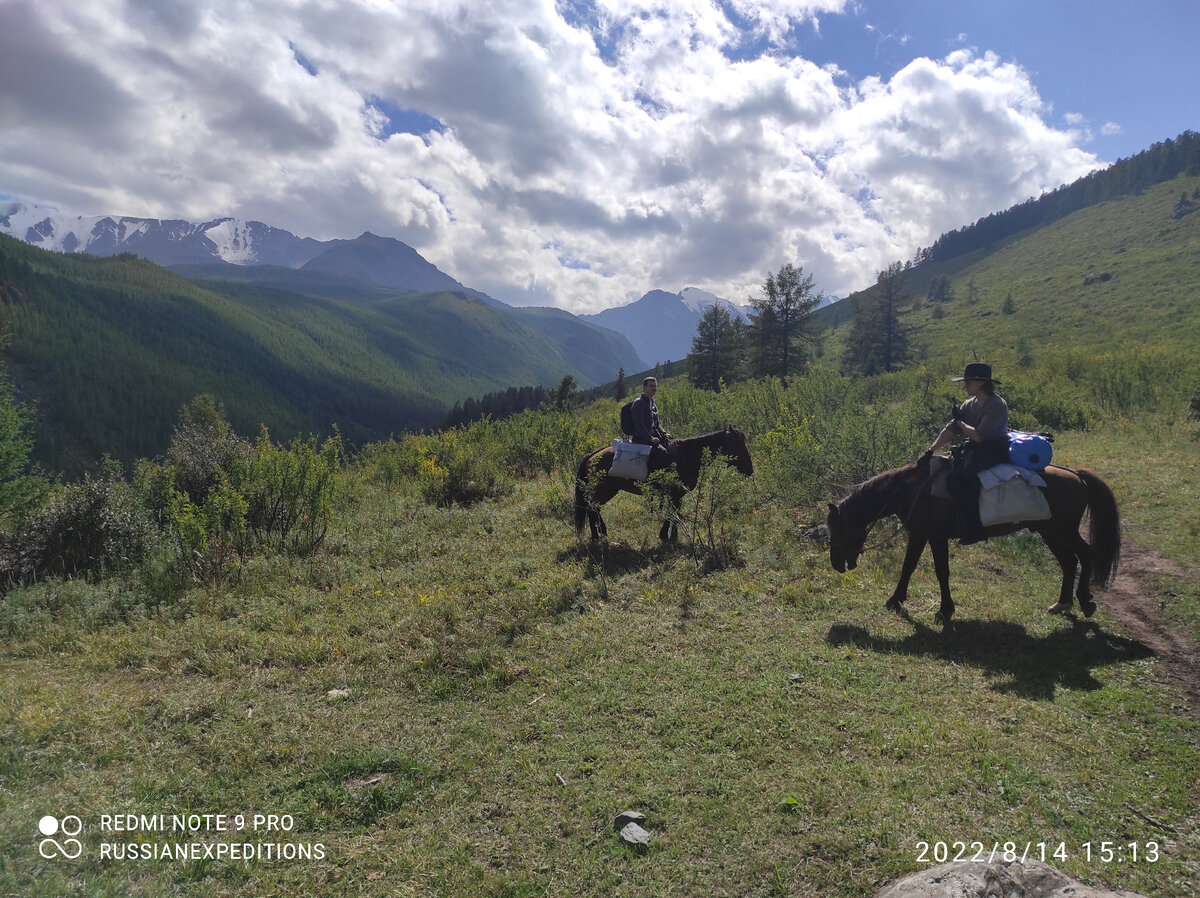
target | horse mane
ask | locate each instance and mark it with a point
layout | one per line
(869, 499)
(732, 428)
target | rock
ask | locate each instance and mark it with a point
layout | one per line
(626, 817)
(1002, 879)
(632, 834)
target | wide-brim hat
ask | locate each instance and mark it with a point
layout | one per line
(977, 371)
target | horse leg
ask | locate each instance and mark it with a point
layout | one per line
(601, 494)
(916, 545)
(1065, 555)
(940, 547)
(1083, 590)
(670, 527)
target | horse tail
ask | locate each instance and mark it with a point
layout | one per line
(1105, 527)
(581, 498)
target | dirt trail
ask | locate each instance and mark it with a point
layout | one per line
(1131, 601)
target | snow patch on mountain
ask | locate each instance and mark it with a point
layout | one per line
(233, 239)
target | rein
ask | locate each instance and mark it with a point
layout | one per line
(903, 521)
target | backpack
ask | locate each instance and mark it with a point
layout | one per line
(627, 418)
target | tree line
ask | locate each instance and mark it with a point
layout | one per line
(1162, 162)
(782, 335)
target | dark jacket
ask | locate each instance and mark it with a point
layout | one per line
(646, 428)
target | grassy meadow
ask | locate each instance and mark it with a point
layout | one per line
(454, 695)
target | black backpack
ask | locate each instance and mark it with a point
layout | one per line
(627, 418)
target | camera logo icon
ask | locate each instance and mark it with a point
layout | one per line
(70, 847)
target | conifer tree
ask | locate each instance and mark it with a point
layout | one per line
(715, 350)
(782, 332)
(878, 342)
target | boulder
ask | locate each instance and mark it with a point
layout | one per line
(1000, 879)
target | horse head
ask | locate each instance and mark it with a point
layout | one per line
(735, 447)
(845, 540)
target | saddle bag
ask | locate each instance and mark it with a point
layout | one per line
(1011, 495)
(630, 460)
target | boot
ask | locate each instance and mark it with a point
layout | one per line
(968, 526)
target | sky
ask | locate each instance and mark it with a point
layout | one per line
(580, 153)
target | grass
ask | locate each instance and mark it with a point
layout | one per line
(457, 702)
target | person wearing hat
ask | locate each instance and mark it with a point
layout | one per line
(980, 427)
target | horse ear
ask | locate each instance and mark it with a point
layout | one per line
(833, 512)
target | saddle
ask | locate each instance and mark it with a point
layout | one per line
(1008, 494)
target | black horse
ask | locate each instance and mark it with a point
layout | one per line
(594, 485)
(905, 493)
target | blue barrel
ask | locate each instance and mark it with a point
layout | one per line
(1029, 450)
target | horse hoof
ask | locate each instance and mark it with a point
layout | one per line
(1088, 608)
(1059, 608)
(894, 604)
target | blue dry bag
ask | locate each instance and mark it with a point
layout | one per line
(1031, 451)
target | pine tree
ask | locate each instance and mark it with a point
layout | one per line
(782, 332)
(621, 389)
(715, 350)
(878, 342)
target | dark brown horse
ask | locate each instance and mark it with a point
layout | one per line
(594, 486)
(905, 493)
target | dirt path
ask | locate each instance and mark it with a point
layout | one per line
(1131, 601)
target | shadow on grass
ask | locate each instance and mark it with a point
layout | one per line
(1020, 664)
(618, 559)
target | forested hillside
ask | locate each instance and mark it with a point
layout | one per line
(107, 350)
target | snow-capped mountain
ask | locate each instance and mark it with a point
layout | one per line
(661, 325)
(700, 301)
(166, 242)
(375, 260)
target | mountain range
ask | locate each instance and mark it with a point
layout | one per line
(659, 326)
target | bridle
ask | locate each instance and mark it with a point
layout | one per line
(891, 495)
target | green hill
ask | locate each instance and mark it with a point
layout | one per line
(1102, 305)
(109, 349)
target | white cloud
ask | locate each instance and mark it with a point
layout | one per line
(648, 143)
(1111, 128)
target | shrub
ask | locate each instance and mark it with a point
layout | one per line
(289, 493)
(89, 528)
(458, 467)
(20, 492)
(203, 448)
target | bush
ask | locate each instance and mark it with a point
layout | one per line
(289, 493)
(89, 528)
(20, 492)
(458, 467)
(203, 448)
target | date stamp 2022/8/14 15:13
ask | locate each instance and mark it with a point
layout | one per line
(1104, 852)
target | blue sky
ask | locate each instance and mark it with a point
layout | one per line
(1129, 66)
(583, 152)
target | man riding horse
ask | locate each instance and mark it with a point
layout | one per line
(647, 429)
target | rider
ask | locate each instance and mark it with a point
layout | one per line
(980, 425)
(646, 427)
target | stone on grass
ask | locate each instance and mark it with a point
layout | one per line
(632, 834)
(625, 817)
(1001, 879)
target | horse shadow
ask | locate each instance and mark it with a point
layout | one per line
(1017, 662)
(616, 559)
